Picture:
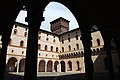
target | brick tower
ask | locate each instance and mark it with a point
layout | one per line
(59, 25)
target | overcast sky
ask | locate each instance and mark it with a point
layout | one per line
(52, 11)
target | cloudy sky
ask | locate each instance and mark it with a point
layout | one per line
(52, 11)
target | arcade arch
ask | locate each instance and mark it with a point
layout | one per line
(42, 66)
(12, 65)
(49, 66)
(22, 65)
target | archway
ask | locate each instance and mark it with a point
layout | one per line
(56, 66)
(12, 65)
(42, 66)
(62, 66)
(69, 64)
(49, 66)
(22, 65)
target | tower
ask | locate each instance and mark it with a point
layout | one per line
(59, 26)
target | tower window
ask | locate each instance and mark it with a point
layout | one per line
(77, 45)
(51, 48)
(76, 37)
(69, 48)
(56, 49)
(62, 41)
(21, 43)
(98, 42)
(69, 39)
(62, 49)
(46, 47)
(25, 34)
(15, 31)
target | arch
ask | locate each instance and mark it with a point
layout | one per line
(77, 45)
(51, 48)
(42, 66)
(25, 34)
(56, 49)
(62, 49)
(69, 66)
(98, 42)
(22, 43)
(12, 65)
(69, 48)
(46, 47)
(22, 65)
(56, 66)
(77, 65)
(62, 66)
(49, 66)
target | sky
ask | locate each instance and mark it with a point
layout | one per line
(52, 11)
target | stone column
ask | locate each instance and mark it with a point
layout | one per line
(34, 19)
(53, 67)
(18, 66)
(5, 40)
(86, 40)
(59, 67)
(45, 66)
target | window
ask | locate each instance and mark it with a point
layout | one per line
(46, 47)
(78, 68)
(53, 40)
(21, 43)
(51, 48)
(69, 39)
(15, 31)
(56, 49)
(69, 48)
(22, 52)
(47, 39)
(77, 45)
(25, 29)
(39, 46)
(98, 42)
(76, 37)
(15, 26)
(25, 34)
(39, 37)
(62, 49)
(12, 51)
(69, 66)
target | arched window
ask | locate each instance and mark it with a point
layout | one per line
(78, 65)
(98, 42)
(69, 66)
(69, 48)
(46, 47)
(77, 45)
(76, 37)
(15, 31)
(21, 43)
(56, 49)
(51, 48)
(62, 49)
(69, 39)
(25, 34)
(39, 46)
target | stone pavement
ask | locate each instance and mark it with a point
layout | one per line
(60, 76)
